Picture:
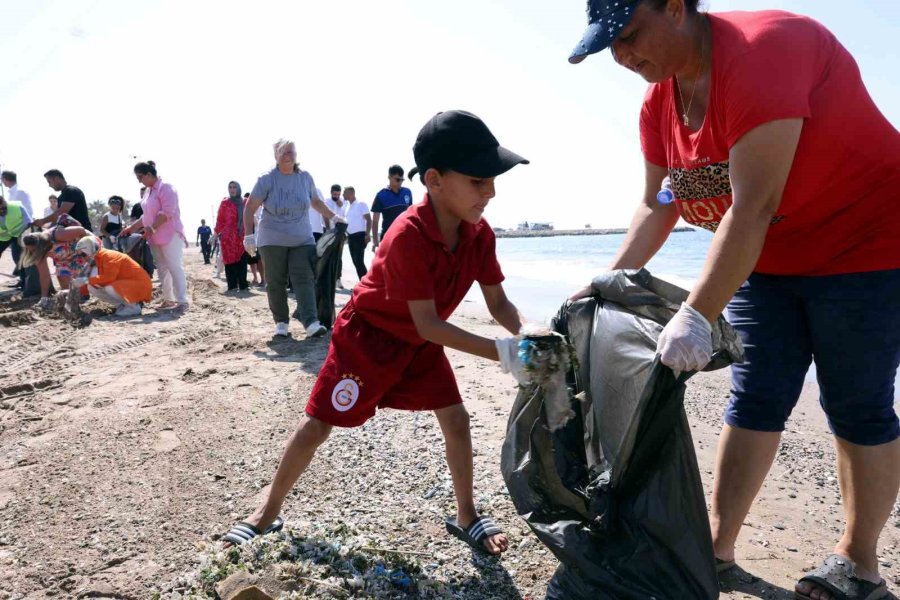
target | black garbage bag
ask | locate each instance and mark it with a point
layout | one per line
(328, 249)
(615, 492)
(138, 249)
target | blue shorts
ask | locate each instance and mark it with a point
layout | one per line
(850, 325)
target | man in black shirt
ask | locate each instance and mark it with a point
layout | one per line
(71, 200)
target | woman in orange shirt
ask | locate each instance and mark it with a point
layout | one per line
(119, 280)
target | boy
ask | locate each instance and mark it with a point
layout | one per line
(387, 349)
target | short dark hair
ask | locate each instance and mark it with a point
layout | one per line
(691, 5)
(349, 188)
(335, 188)
(54, 173)
(145, 168)
(53, 197)
(9, 175)
(246, 194)
(395, 170)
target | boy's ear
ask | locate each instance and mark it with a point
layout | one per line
(432, 178)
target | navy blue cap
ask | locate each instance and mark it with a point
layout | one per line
(606, 20)
(460, 141)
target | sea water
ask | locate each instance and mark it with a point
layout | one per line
(541, 272)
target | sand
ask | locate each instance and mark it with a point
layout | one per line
(127, 447)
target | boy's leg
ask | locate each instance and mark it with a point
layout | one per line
(454, 422)
(298, 453)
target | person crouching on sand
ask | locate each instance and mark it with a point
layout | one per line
(387, 349)
(120, 281)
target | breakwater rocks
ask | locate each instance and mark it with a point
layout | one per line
(516, 233)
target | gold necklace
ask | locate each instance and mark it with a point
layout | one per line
(687, 108)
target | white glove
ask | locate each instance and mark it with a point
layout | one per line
(685, 344)
(79, 281)
(508, 350)
(338, 219)
(250, 244)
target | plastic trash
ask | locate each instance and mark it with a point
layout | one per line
(665, 195)
(615, 492)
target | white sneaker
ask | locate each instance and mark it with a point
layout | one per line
(281, 329)
(128, 310)
(315, 329)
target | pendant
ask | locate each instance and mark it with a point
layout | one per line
(686, 122)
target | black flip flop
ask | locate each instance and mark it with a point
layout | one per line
(723, 566)
(244, 532)
(837, 575)
(474, 535)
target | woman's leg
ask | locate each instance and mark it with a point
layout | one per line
(242, 272)
(231, 276)
(855, 324)
(276, 258)
(772, 323)
(302, 270)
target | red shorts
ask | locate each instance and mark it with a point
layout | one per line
(367, 368)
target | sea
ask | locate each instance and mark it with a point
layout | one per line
(541, 272)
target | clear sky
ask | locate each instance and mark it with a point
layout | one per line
(204, 88)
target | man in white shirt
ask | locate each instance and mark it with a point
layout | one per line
(338, 207)
(315, 219)
(10, 180)
(359, 229)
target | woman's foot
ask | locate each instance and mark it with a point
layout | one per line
(166, 305)
(839, 577)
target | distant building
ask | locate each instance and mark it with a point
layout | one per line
(541, 226)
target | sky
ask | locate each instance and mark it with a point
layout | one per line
(204, 88)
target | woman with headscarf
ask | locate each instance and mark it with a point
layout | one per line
(230, 231)
(119, 280)
(164, 232)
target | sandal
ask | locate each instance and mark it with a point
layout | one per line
(474, 535)
(724, 565)
(837, 576)
(244, 532)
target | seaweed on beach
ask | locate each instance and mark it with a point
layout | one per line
(313, 561)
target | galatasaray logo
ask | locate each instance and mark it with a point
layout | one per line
(345, 393)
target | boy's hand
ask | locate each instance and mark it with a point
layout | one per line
(508, 351)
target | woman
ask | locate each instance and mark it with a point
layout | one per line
(120, 281)
(230, 231)
(111, 222)
(285, 238)
(58, 244)
(747, 113)
(163, 230)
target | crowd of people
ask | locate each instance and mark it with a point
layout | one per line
(270, 232)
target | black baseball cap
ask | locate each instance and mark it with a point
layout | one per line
(460, 141)
(606, 20)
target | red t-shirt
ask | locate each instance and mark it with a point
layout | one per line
(414, 262)
(840, 211)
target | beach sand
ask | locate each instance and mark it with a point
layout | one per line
(126, 444)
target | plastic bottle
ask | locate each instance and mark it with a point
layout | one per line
(665, 195)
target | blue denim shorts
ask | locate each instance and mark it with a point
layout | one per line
(849, 324)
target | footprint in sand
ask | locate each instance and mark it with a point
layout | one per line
(166, 441)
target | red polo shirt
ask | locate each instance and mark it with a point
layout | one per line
(415, 263)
